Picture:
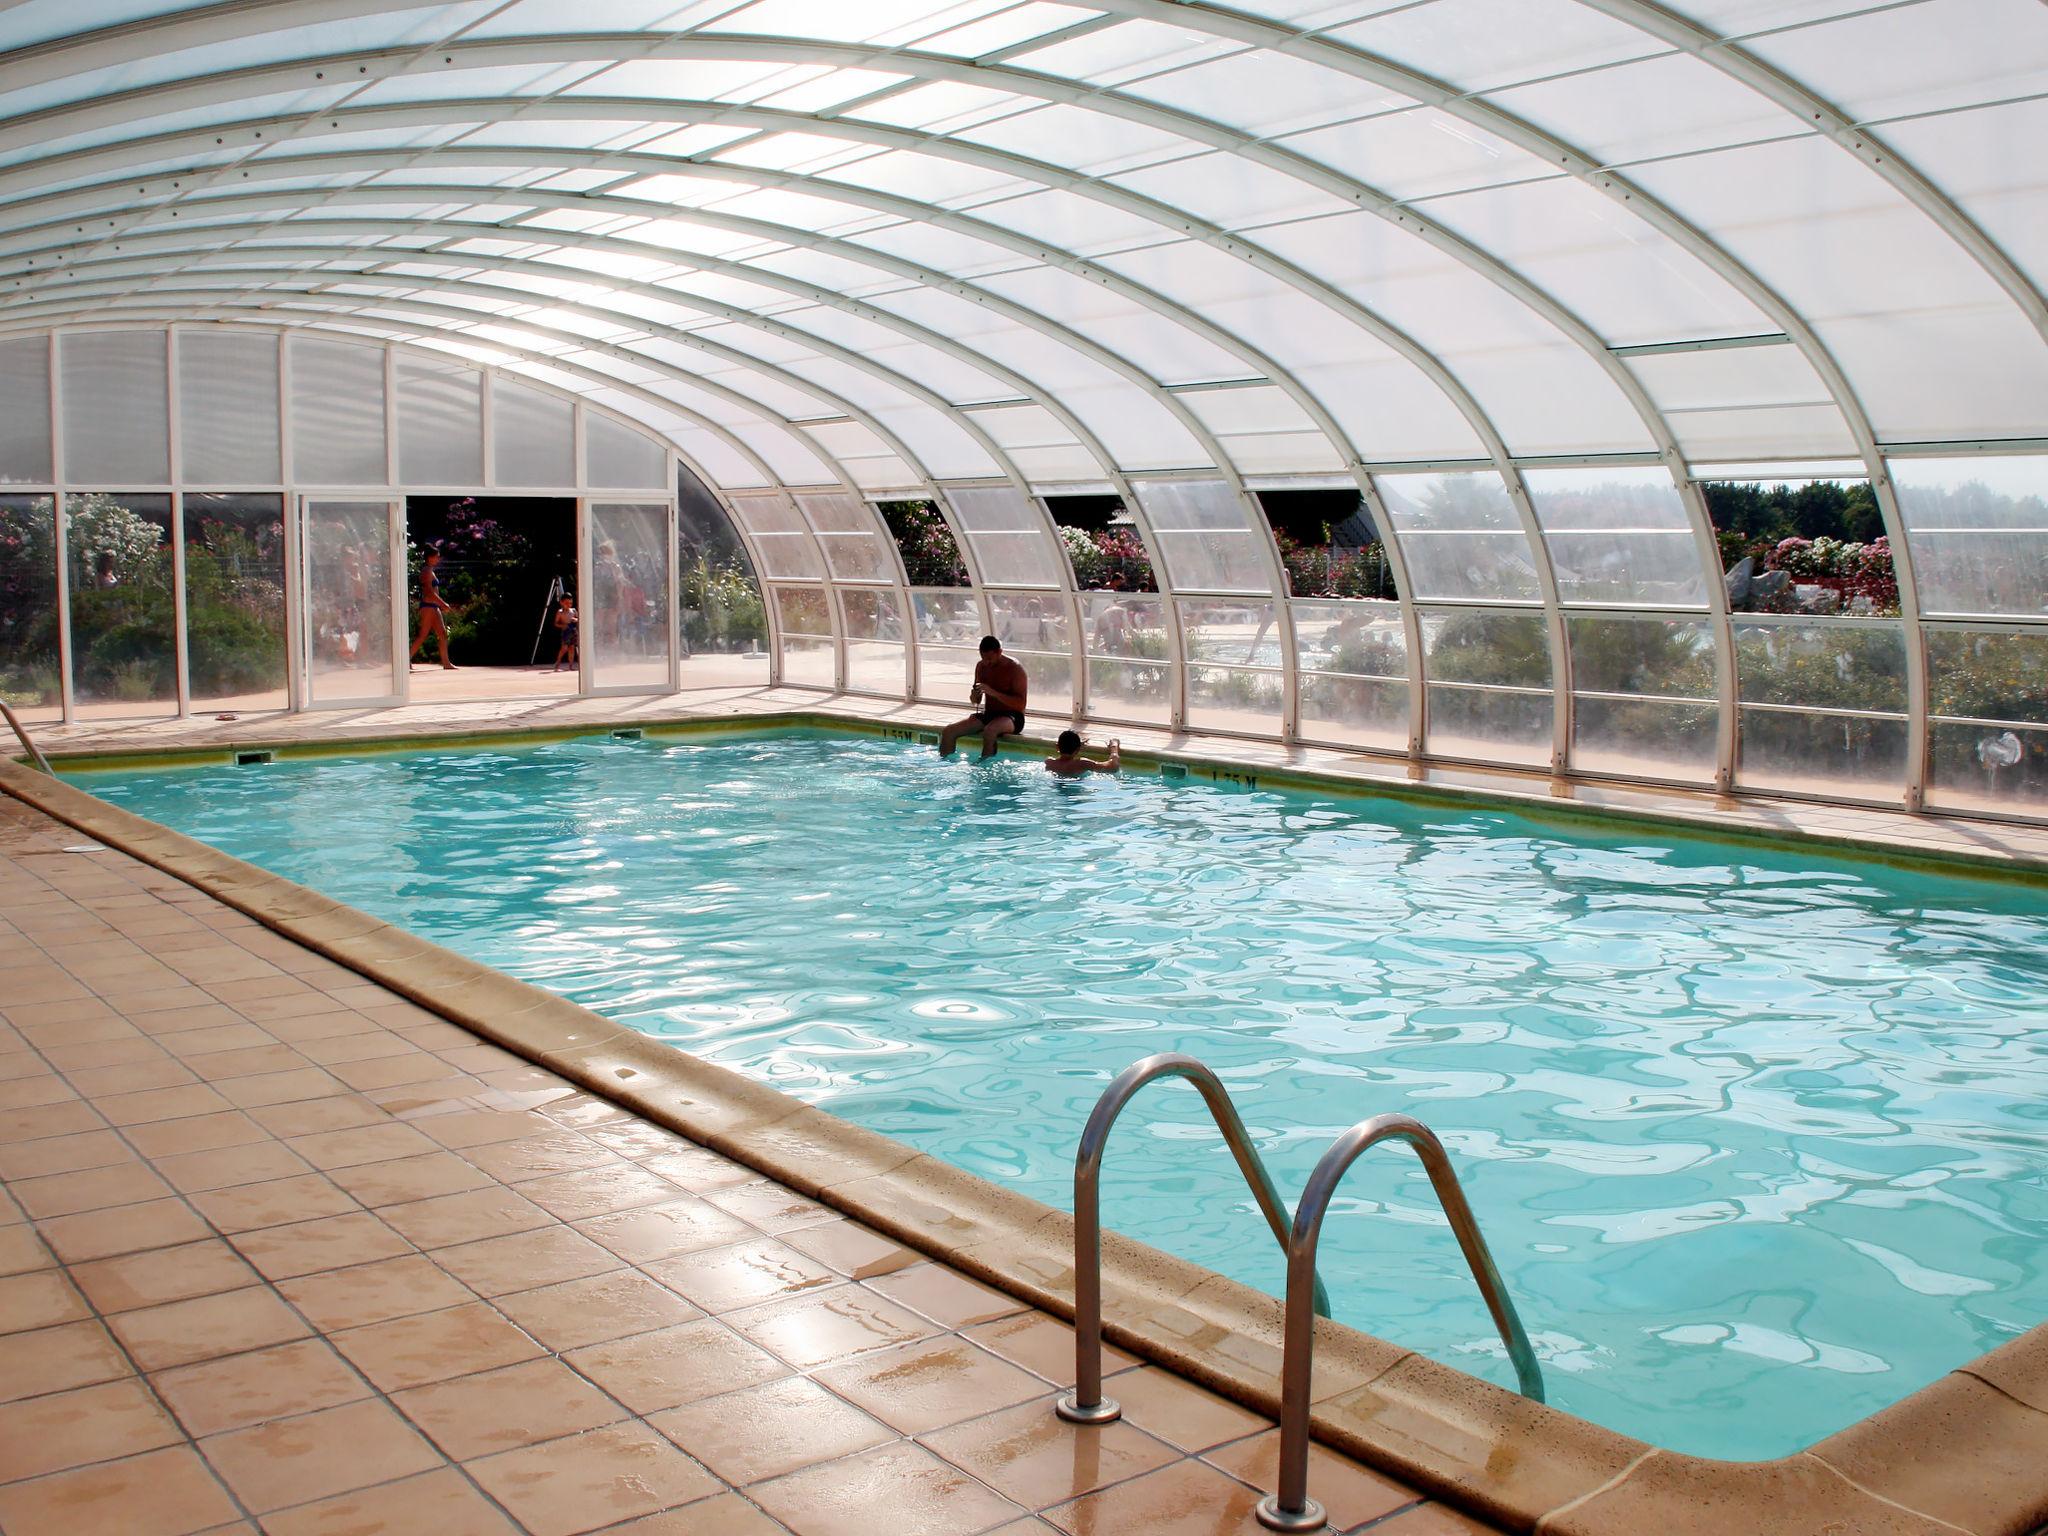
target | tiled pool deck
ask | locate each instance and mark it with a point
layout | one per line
(281, 1251)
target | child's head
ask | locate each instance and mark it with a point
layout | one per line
(1070, 743)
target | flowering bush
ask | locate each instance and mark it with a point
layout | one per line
(1319, 570)
(1847, 567)
(1109, 560)
(931, 558)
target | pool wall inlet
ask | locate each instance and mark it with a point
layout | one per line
(1969, 1452)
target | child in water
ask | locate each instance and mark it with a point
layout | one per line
(1070, 764)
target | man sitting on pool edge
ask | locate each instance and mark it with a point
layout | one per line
(1000, 688)
(1070, 764)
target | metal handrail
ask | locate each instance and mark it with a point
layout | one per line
(1291, 1509)
(1086, 1404)
(34, 751)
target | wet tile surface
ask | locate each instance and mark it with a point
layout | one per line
(412, 1285)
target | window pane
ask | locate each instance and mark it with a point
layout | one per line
(723, 622)
(234, 600)
(931, 557)
(533, 436)
(947, 618)
(1102, 544)
(1618, 536)
(780, 535)
(227, 408)
(1356, 639)
(874, 640)
(1236, 699)
(616, 456)
(348, 571)
(25, 412)
(1472, 660)
(116, 407)
(1206, 536)
(1031, 621)
(1813, 547)
(123, 644)
(1991, 753)
(1130, 674)
(1979, 532)
(1671, 657)
(850, 535)
(440, 422)
(1858, 755)
(1979, 768)
(29, 657)
(1009, 536)
(628, 629)
(1329, 544)
(1365, 711)
(1238, 634)
(337, 414)
(1807, 666)
(806, 620)
(1460, 536)
(1052, 683)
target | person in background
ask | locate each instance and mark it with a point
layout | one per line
(1070, 764)
(565, 632)
(1000, 687)
(434, 610)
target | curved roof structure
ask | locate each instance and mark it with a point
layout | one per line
(1170, 249)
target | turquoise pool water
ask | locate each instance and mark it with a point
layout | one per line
(1758, 1137)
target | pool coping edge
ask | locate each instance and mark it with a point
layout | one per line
(1964, 1452)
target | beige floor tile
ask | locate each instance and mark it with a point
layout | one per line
(465, 1218)
(365, 1144)
(167, 1274)
(200, 1133)
(637, 1139)
(598, 1191)
(311, 1117)
(852, 1249)
(925, 1386)
(945, 1295)
(1029, 1454)
(769, 1206)
(337, 1450)
(163, 1493)
(525, 1260)
(743, 1274)
(1185, 1499)
(204, 1327)
(39, 1298)
(764, 1431)
(69, 1429)
(62, 1154)
(441, 1503)
(55, 1359)
(1179, 1412)
(698, 1169)
(308, 1247)
(536, 1157)
(1351, 1493)
(504, 1409)
(487, 1127)
(267, 1089)
(91, 1189)
(374, 1293)
(1432, 1520)
(1040, 1344)
(725, 1514)
(21, 1250)
(37, 1089)
(122, 1229)
(49, 1120)
(225, 1167)
(435, 1346)
(74, 1056)
(589, 1481)
(250, 1061)
(130, 1077)
(220, 1037)
(161, 1104)
(830, 1325)
(922, 1496)
(672, 1366)
(363, 1044)
(263, 1384)
(596, 1310)
(684, 1224)
(407, 1179)
(275, 1203)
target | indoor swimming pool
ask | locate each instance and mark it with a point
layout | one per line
(1757, 1135)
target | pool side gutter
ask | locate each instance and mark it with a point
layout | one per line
(1967, 1453)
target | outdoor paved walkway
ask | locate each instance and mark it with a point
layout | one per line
(281, 1251)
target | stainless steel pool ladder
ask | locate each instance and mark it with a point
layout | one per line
(1290, 1508)
(35, 752)
(1086, 1404)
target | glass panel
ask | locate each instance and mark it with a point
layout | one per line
(348, 582)
(29, 658)
(1808, 666)
(123, 617)
(1237, 634)
(1618, 536)
(1238, 699)
(1994, 686)
(1670, 657)
(1206, 536)
(628, 632)
(947, 618)
(1052, 682)
(533, 436)
(1353, 661)
(25, 412)
(337, 414)
(1130, 672)
(807, 652)
(874, 641)
(1102, 544)
(931, 558)
(1979, 532)
(780, 536)
(1009, 537)
(945, 673)
(1031, 621)
(724, 624)
(1645, 738)
(1815, 546)
(234, 600)
(848, 532)
(228, 409)
(617, 456)
(117, 426)
(1481, 655)
(1362, 711)
(1328, 544)
(1461, 537)
(440, 423)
